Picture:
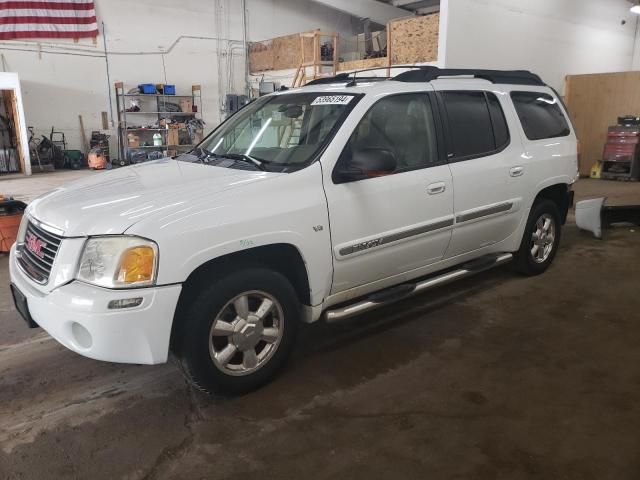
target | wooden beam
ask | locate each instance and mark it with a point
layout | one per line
(11, 101)
(389, 40)
(316, 52)
(83, 134)
(335, 54)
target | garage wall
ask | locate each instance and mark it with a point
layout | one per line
(275, 18)
(550, 37)
(150, 41)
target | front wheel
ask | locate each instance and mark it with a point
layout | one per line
(238, 332)
(541, 239)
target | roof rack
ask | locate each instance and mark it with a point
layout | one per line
(351, 77)
(427, 73)
(343, 77)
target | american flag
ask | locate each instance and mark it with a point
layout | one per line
(42, 19)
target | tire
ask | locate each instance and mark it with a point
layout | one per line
(534, 261)
(235, 303)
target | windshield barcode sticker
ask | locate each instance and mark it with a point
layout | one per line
(332, 100)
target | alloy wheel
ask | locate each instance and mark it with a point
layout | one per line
(246, 333)
(543, 238)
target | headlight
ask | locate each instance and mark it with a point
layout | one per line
(119, 262)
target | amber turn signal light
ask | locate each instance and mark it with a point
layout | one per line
(137, 265)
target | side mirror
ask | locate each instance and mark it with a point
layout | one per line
(367, 163)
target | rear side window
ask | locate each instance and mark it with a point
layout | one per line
(476, 123)
(540, 115)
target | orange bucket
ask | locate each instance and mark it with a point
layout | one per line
(97, 160)
(10, 217)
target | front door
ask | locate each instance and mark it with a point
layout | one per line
(400, 221)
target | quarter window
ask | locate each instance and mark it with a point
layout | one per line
(540, 115)
(402, 124)
(476, 123)
(499, 123)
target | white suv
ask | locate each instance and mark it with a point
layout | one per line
(323, 201)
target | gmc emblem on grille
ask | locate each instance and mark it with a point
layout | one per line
(34, 244)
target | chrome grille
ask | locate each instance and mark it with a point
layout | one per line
(38, 252)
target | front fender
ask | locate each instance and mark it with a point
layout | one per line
(290, 209)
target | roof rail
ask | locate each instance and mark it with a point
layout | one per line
(343, 77)
(324, 80)
(352, 78)
(427, 73)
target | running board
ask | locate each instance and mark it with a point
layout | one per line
(395, 294)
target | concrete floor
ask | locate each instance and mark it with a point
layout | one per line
(496, 377)
(27, 188)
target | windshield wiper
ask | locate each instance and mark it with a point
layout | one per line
(257, 162)
(203, 155)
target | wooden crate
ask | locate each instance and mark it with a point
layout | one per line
(173, 136)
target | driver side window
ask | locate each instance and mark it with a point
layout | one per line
(402, 125)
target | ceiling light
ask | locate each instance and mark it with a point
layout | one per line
(635, 9)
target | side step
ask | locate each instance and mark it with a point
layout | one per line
(403, 291)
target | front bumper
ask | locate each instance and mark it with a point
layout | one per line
(76, 315)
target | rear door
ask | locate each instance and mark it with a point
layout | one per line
(487, 165)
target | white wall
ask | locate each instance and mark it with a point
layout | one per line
(275, 18)
(553, 38)
(150, 41)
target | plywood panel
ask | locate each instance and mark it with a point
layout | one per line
(415, 39)
(595, 102)
(308, 49)
(261, 56)
(279, 53)
(362, 64)
(286, 52)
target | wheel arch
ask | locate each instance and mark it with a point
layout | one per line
(559, 194)
(284, 258)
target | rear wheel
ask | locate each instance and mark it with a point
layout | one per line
(541, 238)
(238, 332)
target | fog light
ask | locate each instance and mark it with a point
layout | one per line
(81, 335)
(125, 303)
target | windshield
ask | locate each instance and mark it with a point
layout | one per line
(279, 133)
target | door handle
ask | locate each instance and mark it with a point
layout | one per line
(436, 188)
(516, 171)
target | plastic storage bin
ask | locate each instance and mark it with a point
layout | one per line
(147, 88)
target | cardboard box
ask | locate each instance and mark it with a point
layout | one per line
(133, 141)
(173, 137)
(186, 104)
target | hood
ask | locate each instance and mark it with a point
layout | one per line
(111, 202)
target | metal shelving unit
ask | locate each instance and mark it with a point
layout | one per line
(148, 122)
